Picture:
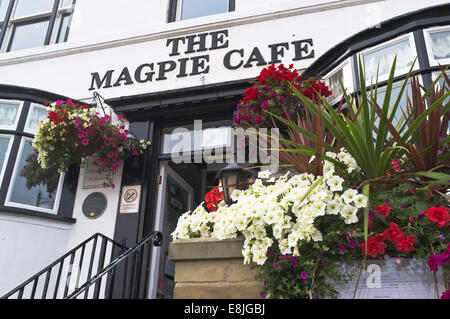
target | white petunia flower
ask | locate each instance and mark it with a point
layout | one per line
(349, 195)
(360, 201)
(264, 174)
(335, 183)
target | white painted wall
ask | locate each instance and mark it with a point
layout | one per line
(28, 244)
(67, 68)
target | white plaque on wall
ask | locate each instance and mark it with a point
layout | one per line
(92, 178)
(393, 278)
(129, 201)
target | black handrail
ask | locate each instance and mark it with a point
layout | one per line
(133, 282)
(47, 271)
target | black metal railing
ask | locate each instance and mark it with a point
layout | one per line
(78, 265)
(126, 276)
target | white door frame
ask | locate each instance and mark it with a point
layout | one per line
(164, 171)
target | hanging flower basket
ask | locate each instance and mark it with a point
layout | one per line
(74, 132)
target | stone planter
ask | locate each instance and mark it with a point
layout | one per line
(207, 268)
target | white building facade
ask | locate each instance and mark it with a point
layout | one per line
(164, 64)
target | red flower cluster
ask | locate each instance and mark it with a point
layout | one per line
(55, 117)
(213, 198)
(272, 91)
(438, 215)
(394, 234)
(406, 245)
(280, 74)
(374, 247)
(383, 210)
(250, 94)
(314, 88)
(376, 244)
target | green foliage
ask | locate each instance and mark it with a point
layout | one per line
(313, 273)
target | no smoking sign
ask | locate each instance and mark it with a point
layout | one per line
(129, 202)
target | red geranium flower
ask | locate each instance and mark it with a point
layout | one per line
(406, 245)
(381, 236)
(250, 94)
(394, 234)
(438, 215)
(213, 198)
(383, 210)
(374, 247)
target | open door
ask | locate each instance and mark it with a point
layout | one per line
(175, 196)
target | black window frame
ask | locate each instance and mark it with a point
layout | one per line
(173, 9)
(70, 182)
(9, 24)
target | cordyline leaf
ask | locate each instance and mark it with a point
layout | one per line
(421, 117)
(366, 192)
(367, 124)
(319, 143)
(297, 128)
(311, 152)
(382, 129)
(442, 74)
(386, 156)
(338, 126)
(441, 143)
(426, 137)
(418, 162)
(310, 190)
(438, 177)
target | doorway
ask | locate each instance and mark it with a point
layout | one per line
(175, 196)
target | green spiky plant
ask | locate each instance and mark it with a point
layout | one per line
(367, 132)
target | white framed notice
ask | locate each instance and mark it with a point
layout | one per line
(92, 178)
(129, 201)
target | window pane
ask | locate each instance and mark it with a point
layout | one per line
(4, 143)
(394, 94)
(29, 7)
(8, 113)
(334, 85)
(29, 35)
(441, 83)
(200, 8)
(36, 116)
(63, 29)
(66, 3)
(36, 195)
(383, 59)
(3, 8)
(440, 43)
